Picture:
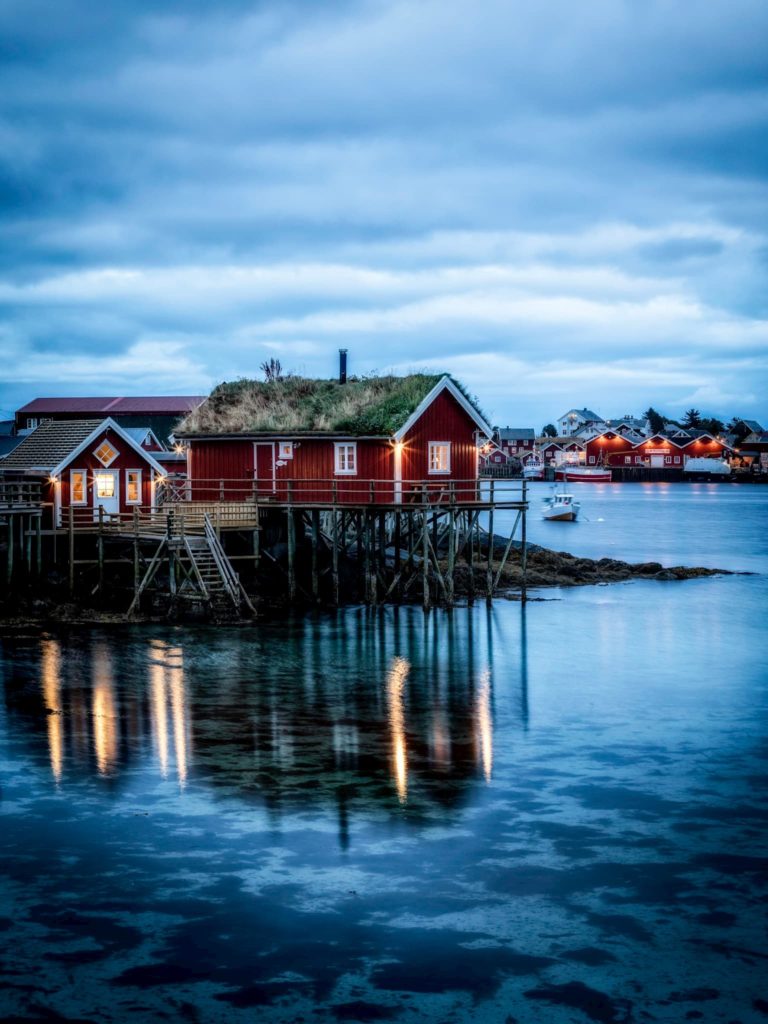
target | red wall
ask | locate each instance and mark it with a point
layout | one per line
(127, 459)
(223, 467)
(608, 450)
(444, 420)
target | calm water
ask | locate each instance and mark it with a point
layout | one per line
(554, 813)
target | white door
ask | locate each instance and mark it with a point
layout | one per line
(106, 491)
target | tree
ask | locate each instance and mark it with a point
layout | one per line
(692, 418)
(655, 419)
(550, 430)
(739, 429)
(713, 426)
(272, 369)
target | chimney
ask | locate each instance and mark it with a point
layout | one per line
(342, 366)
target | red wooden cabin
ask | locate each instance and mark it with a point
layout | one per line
(86, 465)
(610, 449)
(431, 447)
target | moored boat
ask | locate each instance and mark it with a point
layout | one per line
(710, 467)
(562, 507)
(584, 474)
(533, 469)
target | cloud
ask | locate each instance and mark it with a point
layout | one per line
(538, 196)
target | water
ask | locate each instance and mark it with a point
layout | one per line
(552, 813)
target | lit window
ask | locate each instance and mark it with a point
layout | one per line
(285, 450)
(77, 486)
(439, 457)
(106, 454)
(346, 458)
(133, 486)
(105, 485)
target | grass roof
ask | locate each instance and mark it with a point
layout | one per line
(367, 405)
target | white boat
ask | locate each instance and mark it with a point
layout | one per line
(560, 507)
(533, 469)
(713, 467)
(583, 474)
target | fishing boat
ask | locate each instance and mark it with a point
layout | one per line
(583, 474)
(707, 467)
(560, 507)
(533, 469)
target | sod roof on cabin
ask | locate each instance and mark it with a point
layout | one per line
(376, 406)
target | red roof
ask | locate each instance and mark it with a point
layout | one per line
(154, 404)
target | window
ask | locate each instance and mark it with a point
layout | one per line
(285, 449)
(77, 486)
(106, 454)
(105, 485)
(591, 458)
(133, 486)
(638, 459)
(32, 422)
(513, 449)
(345, 458)
(677, 460)
(668, 459)
(627, 459)
(439, 456)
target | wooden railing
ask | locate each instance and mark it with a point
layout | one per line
(21, 494)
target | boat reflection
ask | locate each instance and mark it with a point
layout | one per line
(363, 709)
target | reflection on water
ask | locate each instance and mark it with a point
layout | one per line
(283, 723)
(397, 677)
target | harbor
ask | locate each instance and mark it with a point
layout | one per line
(480, 813)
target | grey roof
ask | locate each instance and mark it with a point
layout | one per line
(48, 445)
(517, 434)
(139, 433)
(588, 414)
(6, 427)
(753, 425)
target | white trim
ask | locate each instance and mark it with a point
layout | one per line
(85, 487)
(115, 453)
(344, 444)
(127, 485)
(115, 474)
(445, 384)
(398, 473)
(108, 424)
(288, 446)
(258, 479)
(438, 444)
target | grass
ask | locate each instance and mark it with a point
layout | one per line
(368, 405)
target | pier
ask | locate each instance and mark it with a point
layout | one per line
(220, 547)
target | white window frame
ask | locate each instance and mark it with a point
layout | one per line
(102, 442)
(591, 459)
(628, 460)
(338, 458)
(677, 460)
(431, 447)
(72, 474)
(128, 474)
(285, 449)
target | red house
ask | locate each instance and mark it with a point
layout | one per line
(658, 452)
(86, 465)
(705, 446)
(610, 449)
(379, 440)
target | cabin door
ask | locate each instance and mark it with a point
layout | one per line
(264, 467)
(657, 462)
(106, 491)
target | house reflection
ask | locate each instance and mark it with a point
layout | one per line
(361, 711)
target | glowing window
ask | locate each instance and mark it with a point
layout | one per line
(77, 486)
(106, 454)
(345, 458)
(439, 457)
(105, 484)
(133, 486)
(285, 450)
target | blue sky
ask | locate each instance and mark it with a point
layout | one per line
(563, 204)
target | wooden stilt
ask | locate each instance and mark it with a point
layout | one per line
(425, 553)
(471, 554)
(71, 539)
(38, 548)
(136, 555)
(9, 564)
(315, 542)
(489, 571)
(451, 568)
(335, 556)
(291, 524)
(100, 544)
(398, 554)
(524, 549)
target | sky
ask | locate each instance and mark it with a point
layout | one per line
(562, 204)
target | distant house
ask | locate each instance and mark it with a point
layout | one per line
(371, 440)
(516, 441)
(751, 425)
(160, 413)
(86, 465)
(575, 419)
(630, 425)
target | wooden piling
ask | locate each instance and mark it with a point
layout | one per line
(489, 571)
(101, 548)
(425, 552)
(71, 540)
(291, 525)
(524, 549)
(315, 543)
(335, 556)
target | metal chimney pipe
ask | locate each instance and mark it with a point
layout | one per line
(342, 366)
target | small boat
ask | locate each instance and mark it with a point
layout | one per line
(560, 507)
(533, 469)
(706, 466)
(583, 474)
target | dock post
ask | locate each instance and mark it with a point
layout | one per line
(71, 538)
(291, 554)
(451, 569)
(100, 543)
(315, 542)
(27, 537)
(524, 549)
(471, 555)
(425, 551)
(9, 566)
(398, 542)
(38, 547)
(136, 568)
(335, 566)
(489, 573)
